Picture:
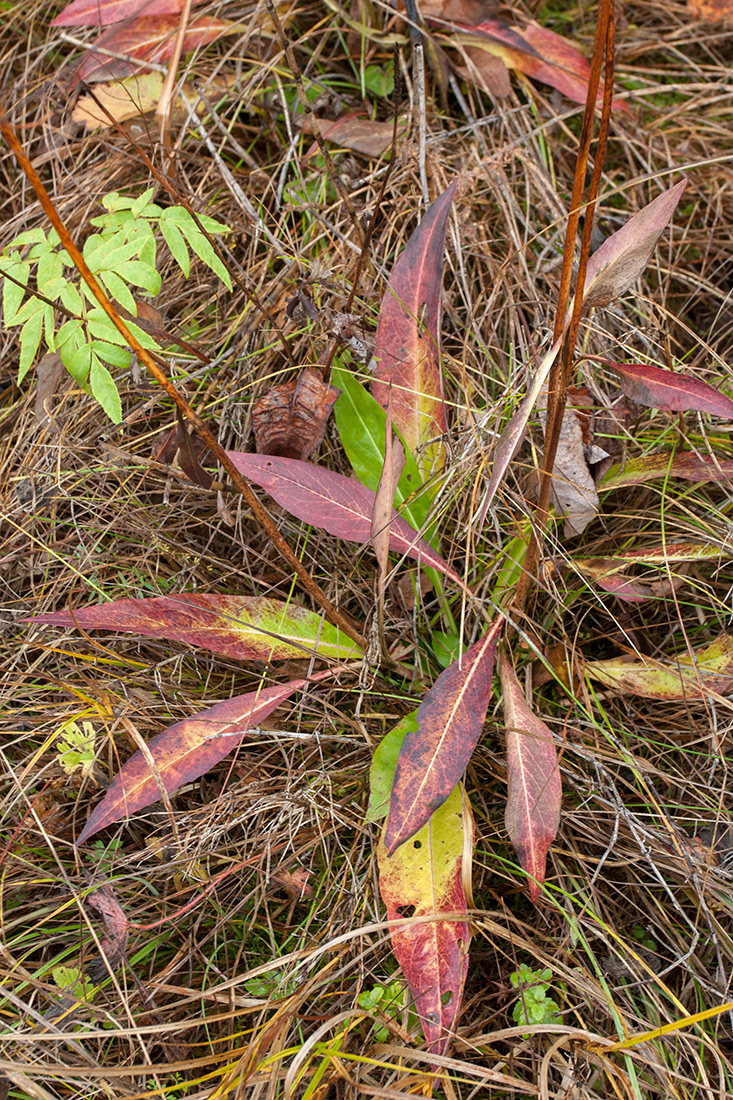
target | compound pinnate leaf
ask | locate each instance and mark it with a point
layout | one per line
(425, 879)
(686, 466)
(407, 343)
(685, 677)
(666, 389)
(336, 503)
(532, 813)
(434, 757)
(187, 750)
(623, 256)
(245, 628)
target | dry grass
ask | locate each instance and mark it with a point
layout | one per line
(233, 980)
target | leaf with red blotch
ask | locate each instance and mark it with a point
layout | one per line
(147, 38)
(407, 343)
(666, 389)
(425, 878)
(101, 13)
(187, 750)
(623, 256)
(532, 813)
(538, 53)
(290, 419)
(247, 628)
(687, 467)
(449, 723)
(338, 504)
(685, 677)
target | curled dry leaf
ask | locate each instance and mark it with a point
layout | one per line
(336, 503)
(449, 723)
(573, 489)
(623, 256)
(360, 135)
(187, 750)
(407, 343)
(534, 799)
(290, 420)
(243, 627)
(665, 389)
(685, 677)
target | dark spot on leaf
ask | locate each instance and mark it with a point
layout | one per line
(406, 910)
(417, 844)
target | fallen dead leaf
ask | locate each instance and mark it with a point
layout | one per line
(290, 420)
(361, 135)
(49, 372)
(711, 11)
(573, 489)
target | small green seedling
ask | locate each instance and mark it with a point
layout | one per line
(75, 744)
(41, 286)
(71, 982)
(387, 1001)
(534, 1006)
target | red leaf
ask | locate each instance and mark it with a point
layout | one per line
(407, 344)
(114, 941)
(434, 756)
(665, 389)
(623, 256)
(532, 812)
(338, 504)
(100, 13)
(687, 467)
(542, 55)
(425, 878)
(145, 38)
(291, 418)
(248, 628)
(187, 750)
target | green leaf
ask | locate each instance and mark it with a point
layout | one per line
(118, 289)
(115, 356)
(71, 298)
(101, 327)
(49, 327)
(140, 203)
(104, 390)
(31, 236)
(139, 274)
(378, 80)
(50, 270)
(383, 767)
(174, 239)
(30, 338)
(76, 353)
(446, 647)
(361, 423)
(13, 295)
(200, 245)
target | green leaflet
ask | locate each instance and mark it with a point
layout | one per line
(383, 767)
(361, 423)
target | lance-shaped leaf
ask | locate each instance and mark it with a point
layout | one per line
(609, 573)
(361, 423)
(142, 39)
(665, 389)
(623, 256)
(407, 344)
(425, 879)
(336, 503)
(394, 464)
(687, 467)
(434, 757)
(187, 750)
(709, 670)
(532, 813)
(248, 628)
(512, 436)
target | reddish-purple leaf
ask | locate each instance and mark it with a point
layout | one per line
(665, 389)
(338, 504)
(248, 628)
(100, 13)
(114, 941)
(533, 804)
(146, 38)
(407, 344)
(424, 878)
(187, 750)
(623, 256)
(434, 756)
(687, 467)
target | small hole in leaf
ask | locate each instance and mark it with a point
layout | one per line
(446, 998)
(406, 910)
(432, 1017)
(417, 844)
